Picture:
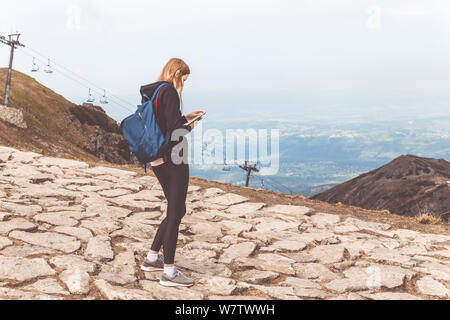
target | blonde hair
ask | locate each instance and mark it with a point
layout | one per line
(172, 72)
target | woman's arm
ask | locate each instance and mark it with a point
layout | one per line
(170, 102)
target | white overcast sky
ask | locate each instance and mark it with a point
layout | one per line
(259, 44)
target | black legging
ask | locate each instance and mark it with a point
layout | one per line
(174, 180)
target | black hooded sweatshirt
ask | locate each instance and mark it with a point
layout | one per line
(168, 114)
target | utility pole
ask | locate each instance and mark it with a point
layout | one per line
(12, 41)
(249, 170)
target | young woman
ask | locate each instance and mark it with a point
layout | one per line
(173, 177)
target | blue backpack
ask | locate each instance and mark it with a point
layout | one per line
(142, 132)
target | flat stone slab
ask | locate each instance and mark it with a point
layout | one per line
(367, 225)
(47, 286)
(323, 220)
(197, 254)
(26, 250)
(20, 209)
(203, 267)
(245, 208)
(371, 277)
(392, 256)
(95, 171)
(14, 294)
(114, 193)
(121, 270)
(277, 292)
(76, 280)
(141, 205)
(269, 262)
(100, 225)
(328, 254)
(389, 296)
(22, 269)
(257, 276)
(60, 162)
(72, 262)
(99, 249)
(215, 285)
(268, 225)
(284, 245)
(42, 177)
(79, 233)
(209, 192)
(243, 249)
(428, 286)
(314, 271)
(227, 199)
(217, 247)
(159, 292)
(120, 293)
(235, 227)
(289, 209)
(50, 240)
(4, 242)
(55, 219)
(206, 231)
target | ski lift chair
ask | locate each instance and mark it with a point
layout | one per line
(103, 99)
(90, 97)
(34, 67)
(48, 68)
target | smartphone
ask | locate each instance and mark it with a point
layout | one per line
(199, 117)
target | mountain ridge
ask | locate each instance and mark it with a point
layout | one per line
(408, 185)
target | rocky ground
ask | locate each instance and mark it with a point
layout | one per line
(71, 231)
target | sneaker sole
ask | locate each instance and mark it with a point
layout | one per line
(151, 269)
(174, 284)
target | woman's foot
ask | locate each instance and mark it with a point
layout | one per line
(177, 280)
(156, 265)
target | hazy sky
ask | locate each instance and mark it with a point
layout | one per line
(259, 44)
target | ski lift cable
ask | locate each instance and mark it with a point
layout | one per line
(270, 184)
(280, 184)
(79, 76)
(79, 82)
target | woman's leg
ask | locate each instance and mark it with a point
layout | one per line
(162, 174)
(175, 179)
(176, 209)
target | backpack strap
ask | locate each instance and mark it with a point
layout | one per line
(156, 91)
(146, 97)
(156, 107)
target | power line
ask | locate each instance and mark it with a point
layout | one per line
(280, 184)
(80, 77)
(262, 183)
(77, 81)
(273, 182)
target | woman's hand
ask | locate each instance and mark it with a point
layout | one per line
(193, 114)
(193, 124)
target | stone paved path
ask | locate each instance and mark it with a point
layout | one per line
(70, 231)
